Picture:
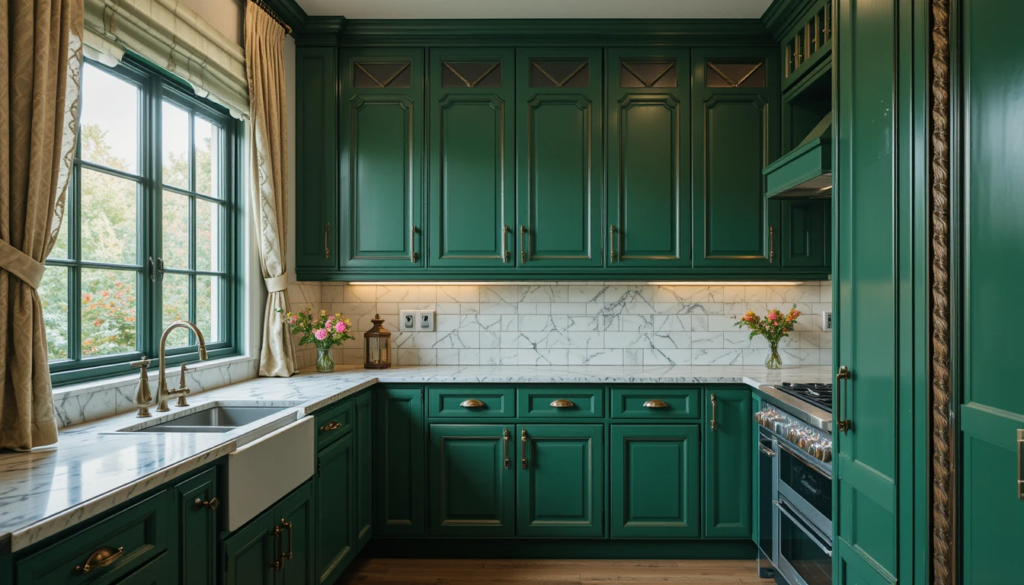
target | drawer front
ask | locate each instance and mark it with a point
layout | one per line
(656, 402)
(107, 550)
(561, 402)
(334, 422)
(470, 402)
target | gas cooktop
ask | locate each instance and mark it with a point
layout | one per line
(819, 395)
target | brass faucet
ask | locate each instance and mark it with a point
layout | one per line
(162, 393)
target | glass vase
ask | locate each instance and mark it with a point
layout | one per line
(324, 362)
(772, 360)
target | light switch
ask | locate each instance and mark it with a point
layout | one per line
(826, 320)
(424, 320)
(407, 321)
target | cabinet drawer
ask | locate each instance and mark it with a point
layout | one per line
(334, 422)
(470, 402)
(655, 402)
(561, 402)
(129, 539)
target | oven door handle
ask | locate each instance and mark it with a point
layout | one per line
(804, 457)
(803, 527)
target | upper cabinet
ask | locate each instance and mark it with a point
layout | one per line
(808, 44)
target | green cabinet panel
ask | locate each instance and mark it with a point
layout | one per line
(363, 514)
(250, 554)
(382, 117)
(276, 547)
(399, 456)
(334, 422)
(655, 481)
(159, 571)
(295, 513)
(655, 402)
(560, 401)
(197, 536)
(335, 495)
(316, 163)
(559, 157)
(735, 134)
(471, 480)
(560, 481)
(804, 233)
(648, 158)
(471, 402)
(728, 474)
(472, 157)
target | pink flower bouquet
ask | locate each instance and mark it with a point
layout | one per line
(324, 331)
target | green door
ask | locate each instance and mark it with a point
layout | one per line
(992, 415)
(560, 481)
(804, 236)
(472, 158)
(471, 480)
(735, 134)
(655, 479)
(559, 162)
(249, 553)
(363, 514)
(335, 495)
(399, 456)
(197, 511)
(381, 159)
(728, 475)
(294, 514)
(648, 158)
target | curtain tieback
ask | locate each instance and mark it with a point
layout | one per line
(275, 283)
(21, 265)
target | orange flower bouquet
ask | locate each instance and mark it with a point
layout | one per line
(773, 326)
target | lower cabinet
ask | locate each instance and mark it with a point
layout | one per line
(197, 511)
(276, 547)
(159, 571)
(399, 470)
(334, 503)
(655, 481)
(728, 473)
(364, 469)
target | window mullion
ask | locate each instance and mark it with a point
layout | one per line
(154, 207)
(73, 223)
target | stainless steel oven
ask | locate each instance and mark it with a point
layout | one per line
(767, 489)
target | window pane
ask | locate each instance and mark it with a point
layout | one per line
(207, 142)
(109, 317)
(208, 235)
(176, 307)
(110, 120)
(208, 307)
(109, 222)
(175, 228)
(60, 247)
(53, 292)
(174, 129)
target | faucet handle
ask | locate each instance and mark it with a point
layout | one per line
(182, 390)
(143, 398)
(142, 364)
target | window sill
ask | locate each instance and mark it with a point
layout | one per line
(91, 386)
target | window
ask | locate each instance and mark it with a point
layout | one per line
(149, 228)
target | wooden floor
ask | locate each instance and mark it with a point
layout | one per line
(548, 572)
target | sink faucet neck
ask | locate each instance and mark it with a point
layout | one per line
(162, 393)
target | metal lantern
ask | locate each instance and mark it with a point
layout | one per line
(377, 345)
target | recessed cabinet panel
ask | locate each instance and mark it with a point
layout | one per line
(805, 233)
(398, 466)
(727, 471)
(316, 161)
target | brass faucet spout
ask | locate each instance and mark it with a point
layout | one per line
(162, 393)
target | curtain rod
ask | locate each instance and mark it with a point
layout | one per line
(272, 14)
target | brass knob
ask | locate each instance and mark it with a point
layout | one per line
(99, 559)
(211, 504)
(562, 403)
(471, 403)
(331, 426)
(655, 404)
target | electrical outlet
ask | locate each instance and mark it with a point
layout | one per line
(407, 321)
(424, 320)
(826, 320)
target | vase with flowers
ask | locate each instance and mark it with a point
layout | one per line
(773, 326)
(324, 331)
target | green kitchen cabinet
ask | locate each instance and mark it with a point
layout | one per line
(399, 462)
(559, 145)
(363, 515)
(276, 547)
(735, 134)
(755, 459)
(197, 501)
(316, 164)
(648, 160)
(295, 512)
(472, 158)
(159, 571)
(335, 506)
(804, 235)
(382, 182)
(250, 553)
(655, 481)
(728, 474)
(472, 480)
(560, 481)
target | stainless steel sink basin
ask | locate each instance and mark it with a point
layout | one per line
(216, 417)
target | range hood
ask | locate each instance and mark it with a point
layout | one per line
(806, 172)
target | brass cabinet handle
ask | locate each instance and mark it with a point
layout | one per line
(766, 451)
(327, 247)
(771, 245)
(1020, 464)
(331, 426)
(278, 562)
(714, 412)
(291, 541)
(212, 504)
(842, 424)
(505, 230)
(103, 556)
(562, 403)
(522, 244)
(471, 403)
(655, 404)
(507, 436)
(611, 242)
(413, 257)
(523, 447)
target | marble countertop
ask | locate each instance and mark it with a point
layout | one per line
(90, 470)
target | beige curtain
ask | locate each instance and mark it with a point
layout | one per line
(264, 63)
(40, 67)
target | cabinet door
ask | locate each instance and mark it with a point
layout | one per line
(250, 555)
(728, 474)
(334, 504)
(655, 472)
(560, 481)
(559, 162)
(735, 134)
(316, 166)
(381, 159)
(804, 234)
(471, 480)
(363, 514)
(295, 515)
(399, 463)
(159, 571)
(472, 157)
(197, 511)
(648, 158)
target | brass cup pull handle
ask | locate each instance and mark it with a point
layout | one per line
(522, 244)
(523, 447)
(291, 541)
(413, 256)
(611, 242)
(278, 562)
(471, 403)
(507, 436)
(562, 403)
(212, 504)
(331, 426)
(714, 412)
(655, 404)
(103, 557)
(505, 230)
(327, 247)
